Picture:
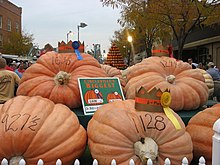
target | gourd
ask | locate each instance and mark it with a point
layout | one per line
(34, 128)
(187, 86)
(55, 76)
(200, 128)
(117, 131)
(208, 80)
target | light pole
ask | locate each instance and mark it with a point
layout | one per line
(130, 39)
(81, 25)
(67, 35)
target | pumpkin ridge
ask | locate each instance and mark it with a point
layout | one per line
(90, 61)
(45, 120)
(128, 151)
(42, 63)
(105, 124)
(43, 68)
(24, 87)
(202, 93)
(102, 121)
(37, 130)
(52, 149)
(193, 104)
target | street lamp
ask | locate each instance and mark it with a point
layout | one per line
(130, 39)
(81, 25)
(67, 35)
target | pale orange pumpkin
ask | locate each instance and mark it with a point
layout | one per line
(55, 76)
(114, 72)
(35, 128)
(208, 80)
(200, 128)
(187, 86)
(117, 131)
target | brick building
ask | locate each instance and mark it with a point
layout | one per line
(10, 20)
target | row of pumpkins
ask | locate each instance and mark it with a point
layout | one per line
(34, 125)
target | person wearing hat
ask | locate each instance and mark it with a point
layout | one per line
(8, 81)
(216, 78)
(13, 65)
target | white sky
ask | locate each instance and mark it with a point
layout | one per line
(50, 21)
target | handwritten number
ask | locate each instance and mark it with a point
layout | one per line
(9, 122)
(16, 117)
(168, 63)
(5, 120)
(59, 61)
(33, 123)
(149, 125)
(26, 120)
(159, 124)
(149, 121)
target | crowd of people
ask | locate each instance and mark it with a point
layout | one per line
(18, 67)
(213, 71)
(11, 73)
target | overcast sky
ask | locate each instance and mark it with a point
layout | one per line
(50, 21)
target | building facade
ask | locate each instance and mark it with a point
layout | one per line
(10, 21)
(203, 45)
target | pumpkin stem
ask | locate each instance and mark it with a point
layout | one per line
(62, 78)
(15, 160)
(171, 78)
(146, 149)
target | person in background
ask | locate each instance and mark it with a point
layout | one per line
(201, 66)
(8, 81)
(47, 48)
(8, 67)
(190, 61)
(216, 78)
(13, 65)
(21, 69)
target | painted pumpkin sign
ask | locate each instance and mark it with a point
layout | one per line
(113, 96)
(93, 97)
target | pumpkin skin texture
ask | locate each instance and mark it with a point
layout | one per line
(114, 72)
(55, 76)
(187, 86)
(200, 128)
(208, 80)
(117, 127)
(35, 128)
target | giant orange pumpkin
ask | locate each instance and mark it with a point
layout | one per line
(200, 128)
(187, 86)
(114, 72)
(35, 128)
(55, 76)
(117, 131)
